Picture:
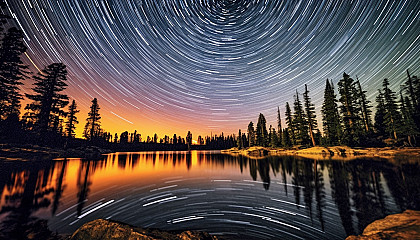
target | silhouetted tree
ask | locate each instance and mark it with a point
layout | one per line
(261, 132)
(300, 122)
(279, 128)
(189, 140)
(239, 140)
(12, 72)
(71, 119)
(365, 107)
(380, 115)
(349, 110)
(392, 118)
(48, 100)
(310, 115)
(124, 137)
(330, 116)
(286, 141)
(93, 124)
(274, 140)
(251, 134)
(290, 125)
(408, 128)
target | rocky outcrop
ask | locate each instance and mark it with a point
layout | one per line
(405, 225)
(101, 229)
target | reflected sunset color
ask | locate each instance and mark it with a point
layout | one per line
(233, 196)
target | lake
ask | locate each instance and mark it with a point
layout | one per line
(236, 197)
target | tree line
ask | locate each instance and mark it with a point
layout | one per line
(346, 118)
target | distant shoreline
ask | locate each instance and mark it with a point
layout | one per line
(335, 152)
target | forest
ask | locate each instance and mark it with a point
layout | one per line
(347, 116)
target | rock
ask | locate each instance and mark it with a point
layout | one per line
(101, 229)
(405, 225)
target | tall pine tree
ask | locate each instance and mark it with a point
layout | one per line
(392, 119)
(279, 129)
(300, 122)
(380, 115)
(261, 132)
(330, 116)
(290, 126)
(251, 134)
(93, 124)
(364, 105)
(349, 110)
(12, 72)
(71, 119)
(48, 101)
(310, 115)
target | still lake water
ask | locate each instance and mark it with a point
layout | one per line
(240, 198)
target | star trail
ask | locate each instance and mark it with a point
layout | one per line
(213, 65)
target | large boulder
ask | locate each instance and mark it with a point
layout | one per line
(101, 229)
(405, 225)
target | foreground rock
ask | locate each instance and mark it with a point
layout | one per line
(405, 225)
(101, 229)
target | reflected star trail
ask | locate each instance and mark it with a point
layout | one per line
(176, 65)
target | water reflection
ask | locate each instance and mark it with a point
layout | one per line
(354, 193)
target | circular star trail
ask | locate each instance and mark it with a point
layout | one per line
(213, 65)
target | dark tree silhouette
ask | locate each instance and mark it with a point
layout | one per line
(279, 129)
(71, 119)
(380, 115)
(365, 107)
(330, 116)
(310, 115)
(189, 140)
(261, 132)
(392, 118)
(239, 140)
(48, 100)
(93, 127)
(251, 134)
(290, 125)
(408, 128)
(300, 122)
(349, 110)
(12, 72)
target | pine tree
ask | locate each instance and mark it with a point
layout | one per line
(299, 122)
(290, 126)
(251, 134)
(310, 115)
(412, 86)
(93, 124)
(48, 100)
(408, 128)
(380, 115)
(349, 110)
(261, 132)
(12, 72)
(392, 119)
(239, 140)
(189, 140)
(330, 116)
(71, 119)
(274, 139)
(279, 129)
(286, 141)
(364, 105)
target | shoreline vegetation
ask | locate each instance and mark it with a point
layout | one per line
(327, 153)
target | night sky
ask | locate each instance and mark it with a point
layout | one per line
(170, 66)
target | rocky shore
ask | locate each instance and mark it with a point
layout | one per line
(405, 225)
(101, 229)
(336, 152)
(38, 153)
